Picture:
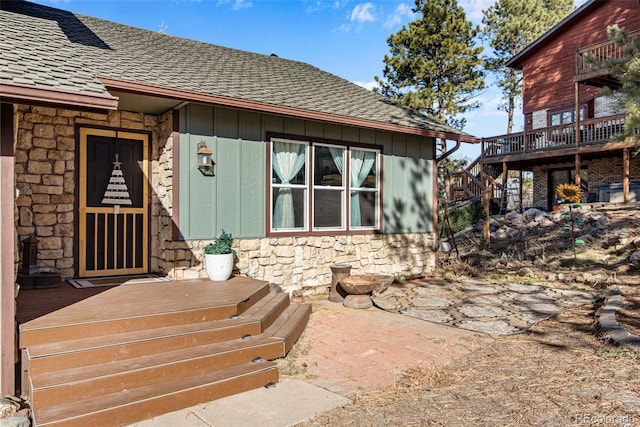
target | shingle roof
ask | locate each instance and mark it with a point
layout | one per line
(43, 47)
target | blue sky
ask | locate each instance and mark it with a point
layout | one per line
(346, 38)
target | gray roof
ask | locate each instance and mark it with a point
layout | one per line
(47, 48)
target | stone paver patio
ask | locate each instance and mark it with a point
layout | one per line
(493, 308)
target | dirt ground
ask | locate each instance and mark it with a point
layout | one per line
(562, 371)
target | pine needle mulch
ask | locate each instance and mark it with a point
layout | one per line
(558, 373)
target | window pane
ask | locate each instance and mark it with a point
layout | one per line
(555, 119)
(363, 169)
(288, 163)
(368, 209)
(327, 208)
(288, 208)
(567, 117)
(328, 166)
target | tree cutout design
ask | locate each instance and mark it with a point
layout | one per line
(117, 192)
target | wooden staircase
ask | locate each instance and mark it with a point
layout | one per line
(469, 185)
(138, 351)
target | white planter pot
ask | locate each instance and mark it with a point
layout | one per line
(219, 267)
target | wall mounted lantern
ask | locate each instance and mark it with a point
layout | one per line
(205, 162)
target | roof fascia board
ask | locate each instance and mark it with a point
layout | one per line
(22, 93)
(515, 62)
(223, 101)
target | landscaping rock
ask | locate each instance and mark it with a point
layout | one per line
(525, 271)
(8, 407)
(586, 238)
(512, 216)
(15, 422)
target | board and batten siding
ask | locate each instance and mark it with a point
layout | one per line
(235, 198)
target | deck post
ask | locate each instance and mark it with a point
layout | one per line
(578, 167)
(7, 248)
(625, 178)
(521, 207)
(486, 202)
(505, 182)
(577, 114)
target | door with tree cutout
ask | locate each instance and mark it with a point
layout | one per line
(113, 203)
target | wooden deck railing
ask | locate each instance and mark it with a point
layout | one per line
(592, 132)
(588, 58)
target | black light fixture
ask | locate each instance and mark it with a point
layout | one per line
(205, 161)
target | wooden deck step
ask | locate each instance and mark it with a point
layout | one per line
(146, 401)
(57, 387)
(104, 365)
(103, 349)
(290, 325)
(180, 303)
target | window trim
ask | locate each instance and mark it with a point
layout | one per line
(311, 230)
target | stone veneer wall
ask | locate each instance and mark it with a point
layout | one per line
(46, 190)
(45, 175)
(304, 262)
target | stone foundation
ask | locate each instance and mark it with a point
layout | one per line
(303, 262)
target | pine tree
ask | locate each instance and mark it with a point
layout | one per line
(627, 71)
(509, 27)
(434, 65)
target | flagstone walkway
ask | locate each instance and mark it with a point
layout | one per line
(494, 308)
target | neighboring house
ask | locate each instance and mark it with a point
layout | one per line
(309, 169)
(558, 145)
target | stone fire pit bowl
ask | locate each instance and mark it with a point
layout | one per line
(359, 287)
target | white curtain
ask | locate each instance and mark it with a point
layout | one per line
(288, 159)
(361, 164)
(337, 154)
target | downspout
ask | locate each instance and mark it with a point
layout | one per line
(447, 153)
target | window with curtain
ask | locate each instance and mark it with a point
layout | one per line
(343, 183)
(289, 185)
(364, 189)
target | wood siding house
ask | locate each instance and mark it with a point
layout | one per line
(308, 169)
(558, 145)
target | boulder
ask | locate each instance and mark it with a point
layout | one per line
(8, 407)
(15, 422)
(511, 216)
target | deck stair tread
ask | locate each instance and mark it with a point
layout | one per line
(172, 394)
(83, 319)
(120, 367)
(253, 315)
(259, 344)
(290, 324)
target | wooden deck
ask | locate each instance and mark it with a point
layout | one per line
(114, 356)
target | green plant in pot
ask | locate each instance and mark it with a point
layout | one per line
(219, 256)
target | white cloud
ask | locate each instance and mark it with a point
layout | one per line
(236, 4)
(344, 28)
(241, 4)
(367, 85)
(402, 14)
(473, 9)
(363, 12)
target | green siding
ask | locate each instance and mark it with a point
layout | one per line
(235, 198)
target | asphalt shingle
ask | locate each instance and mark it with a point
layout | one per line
(43, 46)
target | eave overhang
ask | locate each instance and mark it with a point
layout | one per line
(183, 95)
(17, 93)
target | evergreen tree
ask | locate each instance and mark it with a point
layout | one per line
(627, 71)
(434, 65)
(509, 27)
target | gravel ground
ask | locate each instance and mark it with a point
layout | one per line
(561, 372)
